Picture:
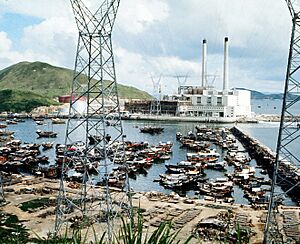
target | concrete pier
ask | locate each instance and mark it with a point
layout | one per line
(266, 158)
(261, 153)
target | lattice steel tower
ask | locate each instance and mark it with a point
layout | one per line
(2, 197)
(156, 102)
(286, 178)
(94, 135)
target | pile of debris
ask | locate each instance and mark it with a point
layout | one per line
(224, 227)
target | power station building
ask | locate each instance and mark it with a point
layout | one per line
(206, 101)
(203, 101)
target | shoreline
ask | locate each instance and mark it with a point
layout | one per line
(211, 120)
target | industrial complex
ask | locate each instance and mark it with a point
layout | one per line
(200, 101)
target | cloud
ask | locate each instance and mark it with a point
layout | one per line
(136, 16)
(138, 70)
(164, 37)
(41, 9)
(52, 40)
(5, 42)
(54, 37)
(8, 56)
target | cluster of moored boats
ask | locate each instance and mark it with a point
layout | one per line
(18, 157)
(200, 156)
(139, 157)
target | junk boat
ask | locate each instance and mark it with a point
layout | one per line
(211, 156)
(216, 165)
(57, 121)
(220, 187)
(6, 132)
(2, 126)
(46, 134)
(47, 145)
(152, 129)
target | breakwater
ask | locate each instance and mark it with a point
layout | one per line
(261, 153)
(265, 157)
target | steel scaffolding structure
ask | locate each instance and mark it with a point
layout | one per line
(286, 178)
(94, 136)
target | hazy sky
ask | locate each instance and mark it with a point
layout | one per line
(160, 37)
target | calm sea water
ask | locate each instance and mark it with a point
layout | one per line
(271, 106)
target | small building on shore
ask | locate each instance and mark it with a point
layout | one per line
(146, 107)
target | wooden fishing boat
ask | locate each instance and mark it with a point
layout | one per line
(216, 165)
(6, 133)
(47, 134)
(47, 145)
(57, 121)
(2, 126)
(220, 187)
(11, 122)
(175, 180)
(211, 155)
(152, 129)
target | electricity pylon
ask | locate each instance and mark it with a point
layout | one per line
(156, 102)
(181, 81)
(2, 197)
(286, 165)
(94, 134)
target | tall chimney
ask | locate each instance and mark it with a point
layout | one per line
(225, 72)
(204, 63)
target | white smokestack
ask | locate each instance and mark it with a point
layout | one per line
(225, 74)
(204, 63)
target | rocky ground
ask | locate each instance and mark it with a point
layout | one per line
(212, 221)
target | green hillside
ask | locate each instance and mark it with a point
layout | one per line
(19, 101)
(50, 81)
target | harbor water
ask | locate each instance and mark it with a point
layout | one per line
(266, 132)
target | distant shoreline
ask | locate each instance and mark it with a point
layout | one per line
(255, 119)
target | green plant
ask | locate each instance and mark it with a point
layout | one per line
(36, 203)
(164, 234)
(242, 235)
(12, 230)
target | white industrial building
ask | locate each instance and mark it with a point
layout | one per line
(205, 101)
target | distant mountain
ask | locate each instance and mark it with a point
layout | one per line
(260, 95)
(50, 81)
